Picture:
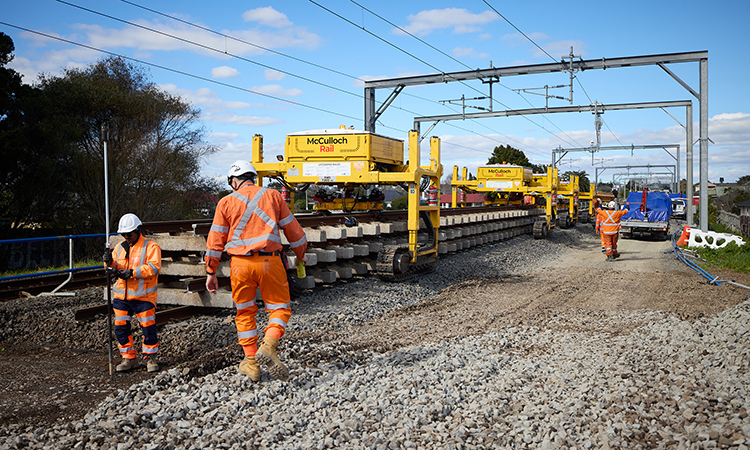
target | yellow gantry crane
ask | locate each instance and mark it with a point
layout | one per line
(346, 159)
(518, 185)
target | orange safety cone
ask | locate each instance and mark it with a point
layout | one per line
(683, 240)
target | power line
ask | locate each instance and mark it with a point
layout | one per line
(517, 29)
(431, 66)
(169, 69)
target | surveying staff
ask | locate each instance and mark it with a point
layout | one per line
(136, 264)
(246, 224)
(609, 225)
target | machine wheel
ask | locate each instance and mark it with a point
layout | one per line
(540, 230)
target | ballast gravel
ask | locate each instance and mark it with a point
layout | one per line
(613, 379)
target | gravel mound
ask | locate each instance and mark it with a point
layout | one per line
(569, 378)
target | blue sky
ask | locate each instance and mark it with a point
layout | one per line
(281, 67)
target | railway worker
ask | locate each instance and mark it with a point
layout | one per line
(597, 205)
(610, 227)
(136, 262)
(246, 224)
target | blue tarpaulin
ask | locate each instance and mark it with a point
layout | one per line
(677, 195)
(658, 206)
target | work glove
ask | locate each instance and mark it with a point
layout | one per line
(125, 274)
(107, 257)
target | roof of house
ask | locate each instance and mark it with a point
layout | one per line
(470, 198)
(743, 204)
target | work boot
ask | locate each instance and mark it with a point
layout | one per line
(250, 367)
(151, 364)
(267, 356)
(616, 255)
(127, 364)
(610, 258)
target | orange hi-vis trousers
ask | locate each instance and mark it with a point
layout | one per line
(247, 274)
(610, 243)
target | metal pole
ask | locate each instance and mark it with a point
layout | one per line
(704, 144)
(689, 164)
(105, 133)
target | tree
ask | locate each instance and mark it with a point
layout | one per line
(36, 150)
(155, 144)
(510, 155)
(583, 179)
(745, 179)
(401, 202)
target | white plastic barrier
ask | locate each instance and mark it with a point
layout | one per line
(710, 239)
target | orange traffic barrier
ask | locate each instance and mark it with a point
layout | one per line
(683, 240)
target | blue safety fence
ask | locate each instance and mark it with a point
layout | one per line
(70, 270)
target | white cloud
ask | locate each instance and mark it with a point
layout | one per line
(561, 48)
(517, 39)
(223, 138)
(225, 72)
(267, 16)
(459, 19)
(484, 36)
(253, 121)
(208, 100)
(277, 91)
(273, 75)
(463, 52)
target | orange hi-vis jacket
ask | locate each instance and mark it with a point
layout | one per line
(609, 220)
(248, 221)
(144, 259)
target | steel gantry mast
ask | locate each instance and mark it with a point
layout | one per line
(397, 84)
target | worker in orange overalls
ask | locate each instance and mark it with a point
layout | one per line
(609, 225)
(136, 263)
(246, 224)
(597, 205)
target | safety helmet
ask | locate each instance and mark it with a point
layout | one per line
(612, 205)
(239, 168)
(129, 222)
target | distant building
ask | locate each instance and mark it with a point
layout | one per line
(446, 200)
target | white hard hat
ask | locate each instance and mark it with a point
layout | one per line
(241, 167)
(612, 205)
(128, 223)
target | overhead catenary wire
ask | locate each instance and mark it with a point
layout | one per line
(434, 68)
(181, 72)
(224, 52)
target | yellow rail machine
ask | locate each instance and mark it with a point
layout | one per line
(347, 158)
(516, 185)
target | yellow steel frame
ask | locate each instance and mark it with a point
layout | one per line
(540, 185)
(340, 170)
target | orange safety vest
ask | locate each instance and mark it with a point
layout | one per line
(248, 221)
(144, 258)
(609, 221)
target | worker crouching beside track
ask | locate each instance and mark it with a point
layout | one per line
(609, 225)
(246, 224)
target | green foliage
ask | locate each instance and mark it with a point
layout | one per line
(712, 212)
(510, 155)
(732, 257)
(745, 179)
(401, 202)
(583, 179)
(155, 144)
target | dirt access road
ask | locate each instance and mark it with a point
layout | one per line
(59, 382)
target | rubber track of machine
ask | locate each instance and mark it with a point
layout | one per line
(539, 229)
(385, 269)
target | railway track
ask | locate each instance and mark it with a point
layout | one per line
(340, 247)
(24, 287)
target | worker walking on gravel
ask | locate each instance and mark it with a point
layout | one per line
(609, 226)
(246, 224)
(597, 205)
(135, 262)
